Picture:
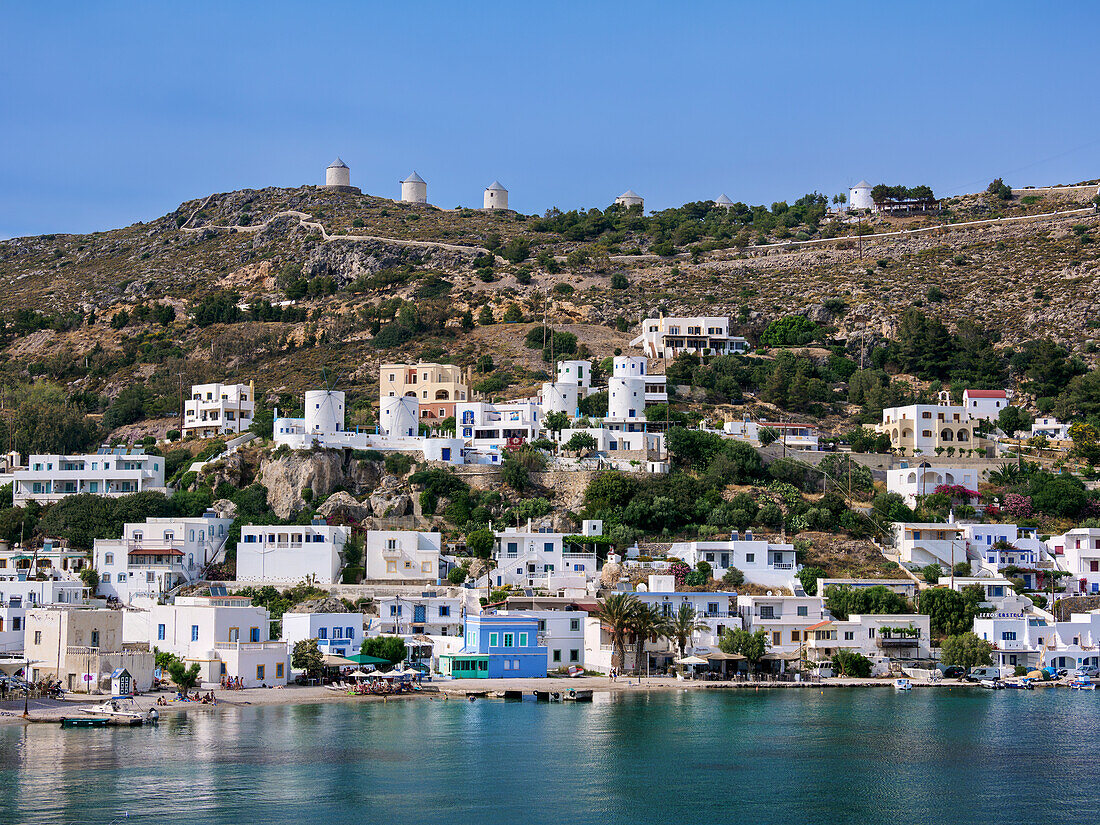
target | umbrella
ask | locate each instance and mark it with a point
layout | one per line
(722, 656)
(358, 674)
(336, 661)
(691, 660)
(366, 659)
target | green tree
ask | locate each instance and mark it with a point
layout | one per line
(485, 317)
(581, 442)
(609, 490)
(619, 281)
(931, 573)
(556, 421)
(515, 475)
(513, 314)
(616, 613)
(391, 648)
(949, 612)
(184, 677)
(646, 623)
(752, 646)
(843, 600)
(852, 664)
(966, 650)
(307, 656)
(733, 577)
(683, 626)
(480, 542)
(808, 576)
(516, 250)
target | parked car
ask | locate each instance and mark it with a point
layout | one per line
(979, 674)
(952, 671)
(1091, 672)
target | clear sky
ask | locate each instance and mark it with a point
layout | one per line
(115, 112)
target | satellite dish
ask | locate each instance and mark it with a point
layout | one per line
(770, 593)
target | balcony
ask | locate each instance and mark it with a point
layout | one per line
(782, 565)
(895, 642)
(391, 552)
(253, 646)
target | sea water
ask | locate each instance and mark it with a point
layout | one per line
(959, 755)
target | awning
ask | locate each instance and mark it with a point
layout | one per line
(330, 660)
(691, 660)
(364, 659)
(793, 656)
(155, 551)
(722, 656)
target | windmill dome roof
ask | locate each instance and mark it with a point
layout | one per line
(337, 164)
(629, 193)
(722, 199)
(863, 184)
(496, 185)
(413, 178)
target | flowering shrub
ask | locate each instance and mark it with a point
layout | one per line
(957, 491)
(1018, 505)
(680, 570)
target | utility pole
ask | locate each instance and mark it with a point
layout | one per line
(859, 235)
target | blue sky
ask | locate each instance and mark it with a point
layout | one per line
(112, 113)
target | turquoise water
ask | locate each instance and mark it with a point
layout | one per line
(781, 756)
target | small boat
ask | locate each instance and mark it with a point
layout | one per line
(902, 684)
(992, 684)
(85, 721)
(1019, 684)
(1082, 683)
(573, 695)
(115, 708)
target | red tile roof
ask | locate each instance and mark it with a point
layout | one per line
(819, 625)
(986, 394)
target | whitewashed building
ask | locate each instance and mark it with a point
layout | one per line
(920, 429)
(533, 557)
(226, 636)
(763, 562)
(920, 480)
(282, 553)
(158, 555)
(784, 619)
(998, 546)
(219, 409)
(403, 555)
(984, 405)
(17, 597)
(859, 196)
(880, 637)
(112, 472)
(1077, 551)
(429, 613)
(338, 634)
(1051, 427)
(923, 543)
(487, 429)
(793, 435)
(630, 198)
(54, 559)
(495, 197)
(414, 189)
(700, 335)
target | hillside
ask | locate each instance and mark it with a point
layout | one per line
(1027, 278)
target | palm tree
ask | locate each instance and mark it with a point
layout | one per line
(616, 615)
(648, 623)
(683, 627)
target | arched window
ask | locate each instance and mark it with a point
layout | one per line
(964, 435)
(947, 435)
(442, 395)
(912, 479)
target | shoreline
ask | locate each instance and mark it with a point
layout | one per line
(458, 690)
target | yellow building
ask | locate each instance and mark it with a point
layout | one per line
(436, 386)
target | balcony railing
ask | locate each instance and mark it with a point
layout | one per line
(249, 645)
(883, 642)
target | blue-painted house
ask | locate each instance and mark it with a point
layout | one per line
(497, 647)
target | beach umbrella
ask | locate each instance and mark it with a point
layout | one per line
(691, 660)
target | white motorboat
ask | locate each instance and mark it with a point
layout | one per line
(117, 708)
(992, 684)
(902, 684)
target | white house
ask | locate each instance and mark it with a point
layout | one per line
(158, 555)
(1051, 427)
(429, 613)
(903, 587)
(997, 590)
(533, 557)
(922, 480)
(784, 619)
(226, 635)
(700, 335)
(111, 472)
(882, 638)
(291, 553)
(1021, 639)
(54, 559)
(339, 634)
(998, 546)
(219, 409)
(16, 597)
(487, 429)
(1077, 551)
(793, 435)
(984, 405)
(763, 562)
(403, 555)
(923, 543)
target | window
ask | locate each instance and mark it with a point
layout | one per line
(574, 655)
(322, 632)
(408, 565)
(194, 633)
(350, 633)
(870, 633)
(121, 576)
(556, 656)
(337, 633)
(160, 633)
(279, 670)
(259, 673)
(1008, 636)
(750, 558)
(523, 640)
(234, 634)
(494, 640)
(391, 567)
(509, 640)
(444, 611)
(95, 637)
(849, 635)
(574, 625)
(425, 567)
(796, 636)
(38, 637)
(107, 577)
(108, 558)
(767, 611)
(777, 637)
(803, 610)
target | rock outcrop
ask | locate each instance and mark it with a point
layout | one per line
(390, 499)
(342, 506)
(321, 472)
